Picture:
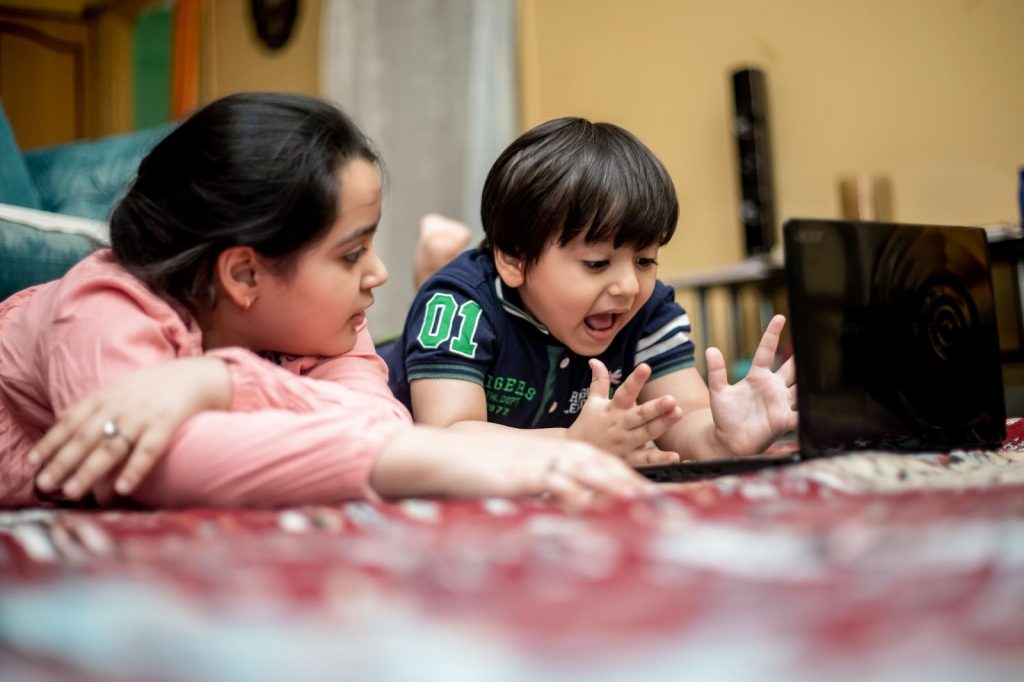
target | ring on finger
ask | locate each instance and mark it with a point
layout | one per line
(110, 431)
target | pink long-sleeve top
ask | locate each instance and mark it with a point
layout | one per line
(305, 432)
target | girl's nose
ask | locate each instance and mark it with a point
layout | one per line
(377, 273)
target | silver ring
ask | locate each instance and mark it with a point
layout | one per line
(110, 429)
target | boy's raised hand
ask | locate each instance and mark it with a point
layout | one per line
(621, 426)
(751, 414)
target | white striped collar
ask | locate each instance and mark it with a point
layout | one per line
(514, 310)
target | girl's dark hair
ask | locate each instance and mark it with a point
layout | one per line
(253, 169)
(569, 177)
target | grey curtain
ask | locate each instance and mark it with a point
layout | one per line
(433, 82)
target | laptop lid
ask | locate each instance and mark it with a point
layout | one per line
(895, 338)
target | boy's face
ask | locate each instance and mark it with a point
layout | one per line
(585, 293)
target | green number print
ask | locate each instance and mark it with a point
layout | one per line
(437, 324)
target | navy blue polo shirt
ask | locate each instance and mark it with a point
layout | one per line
(466, 324)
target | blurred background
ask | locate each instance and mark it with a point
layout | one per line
(915, 102)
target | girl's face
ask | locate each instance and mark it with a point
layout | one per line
(318, 308)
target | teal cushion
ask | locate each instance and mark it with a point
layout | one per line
(87, 178)
(16, 185)
(30, 256)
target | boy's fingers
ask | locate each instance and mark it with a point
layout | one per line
(717, 378)
(788, 371)
(642, 457)
(656, 427)
(600, 382)
(628, 392)
(638, 458)
(764, 356)
(665, 457)
(652, 409)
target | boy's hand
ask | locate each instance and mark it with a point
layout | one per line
(651, 455)
(145, 409)
(618, 424)
(752, 413)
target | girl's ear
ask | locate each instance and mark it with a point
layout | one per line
(236, 275)
(512, 270)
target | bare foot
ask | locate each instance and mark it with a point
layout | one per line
(440, 240)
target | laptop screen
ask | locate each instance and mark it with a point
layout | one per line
(895, 337)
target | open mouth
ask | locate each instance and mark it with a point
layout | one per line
(602, 322)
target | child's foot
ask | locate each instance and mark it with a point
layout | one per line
(441, 239)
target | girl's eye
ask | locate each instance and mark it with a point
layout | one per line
(646, 262)
(595, 265)
(355, 255)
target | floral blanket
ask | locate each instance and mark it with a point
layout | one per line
(869, 566)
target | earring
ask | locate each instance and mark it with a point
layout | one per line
(248, 304)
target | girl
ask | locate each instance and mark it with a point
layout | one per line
(245, 246)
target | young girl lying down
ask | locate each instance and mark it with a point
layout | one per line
(244, 253)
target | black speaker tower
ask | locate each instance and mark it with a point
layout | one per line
(750, 125)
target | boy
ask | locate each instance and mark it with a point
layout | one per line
(561, 302)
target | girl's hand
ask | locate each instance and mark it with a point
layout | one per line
(618, 424)
(426, 461)
(133, 419)
(754, 412)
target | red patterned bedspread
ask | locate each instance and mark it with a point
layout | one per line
(869, 566)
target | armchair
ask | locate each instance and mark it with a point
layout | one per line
(55, 201)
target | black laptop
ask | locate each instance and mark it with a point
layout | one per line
(894, 334)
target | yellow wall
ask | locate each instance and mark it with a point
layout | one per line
(237, 61)
(925, 92)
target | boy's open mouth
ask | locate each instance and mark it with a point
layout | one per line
(601, 322)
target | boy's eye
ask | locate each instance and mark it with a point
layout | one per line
(595, 264)
(646, 262)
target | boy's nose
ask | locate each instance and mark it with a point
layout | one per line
(626, 283)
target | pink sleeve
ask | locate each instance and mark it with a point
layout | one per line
(305, 441)
(361, 365)
(100, 335)
(270, 458)
(259, 384)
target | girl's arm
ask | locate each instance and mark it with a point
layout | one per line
(149, 404)
(301, 441)
(279, 457)
(425, 461)
(275, 458)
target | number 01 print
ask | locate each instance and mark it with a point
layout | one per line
(438, 321)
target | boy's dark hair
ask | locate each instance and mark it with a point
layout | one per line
(569, 177)
(253, 169)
